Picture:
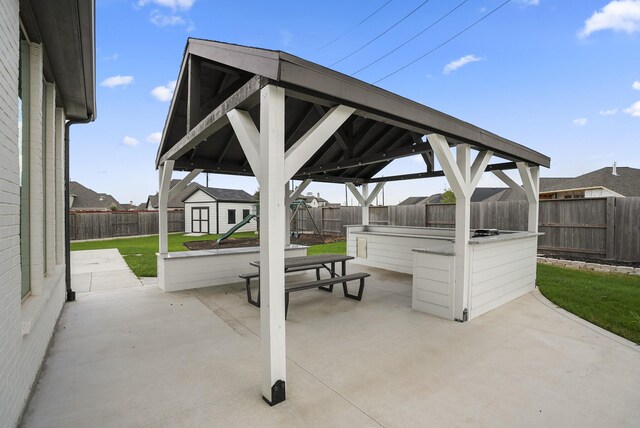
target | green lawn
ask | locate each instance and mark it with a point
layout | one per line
(140, 252)
(608, 300)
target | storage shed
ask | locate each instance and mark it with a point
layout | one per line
(213, 210)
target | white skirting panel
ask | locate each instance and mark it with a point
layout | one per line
(197, 269)
(433, 276)
(500, 272)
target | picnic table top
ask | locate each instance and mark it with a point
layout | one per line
(292, 262)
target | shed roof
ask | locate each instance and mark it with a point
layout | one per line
(385, 126)
(222, 195)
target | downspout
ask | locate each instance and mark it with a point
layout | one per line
(71, 295)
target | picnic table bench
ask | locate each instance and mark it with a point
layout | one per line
(298, 264)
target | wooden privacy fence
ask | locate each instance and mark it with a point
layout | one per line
(109, 224)
(598, 228)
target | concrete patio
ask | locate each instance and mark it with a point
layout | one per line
(139, 357)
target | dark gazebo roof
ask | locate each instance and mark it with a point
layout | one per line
(385, 126)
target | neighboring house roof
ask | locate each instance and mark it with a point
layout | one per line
(626, 182)
(414, 200)
(177, 200)
(479, 195)
(484, 193)
(84, 198)
(310, 198)
(129, 207)
(222, 195)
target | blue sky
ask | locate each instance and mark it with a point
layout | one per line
(559, 76)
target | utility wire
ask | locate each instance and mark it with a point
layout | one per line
(443, 43)
(410, 40)
(354, 27)
(381, 34)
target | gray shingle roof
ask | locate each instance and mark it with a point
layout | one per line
(223, 195)
(177, 200)
(626, 182)
(87, 199)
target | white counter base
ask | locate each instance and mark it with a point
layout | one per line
(197, 269)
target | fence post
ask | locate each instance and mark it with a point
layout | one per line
(610, 233)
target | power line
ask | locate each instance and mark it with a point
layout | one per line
(354, 27)
(443, 43)
(381, 34)
(410, 40)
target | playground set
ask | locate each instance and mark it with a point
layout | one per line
(298, 219)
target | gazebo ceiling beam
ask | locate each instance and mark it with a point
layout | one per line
(245, 97)
(365, 160)
(493, 167)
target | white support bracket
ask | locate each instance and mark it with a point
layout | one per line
(365, 198)
(356, 193)
(509, 182)
(530, 176)
(184, 182)
(314, 138)
(248, 136)
(298, 191)
(448, 163)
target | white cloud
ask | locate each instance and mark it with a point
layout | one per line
(171, 4)
(113, 81)
(164, 93)
(636, 85)
(582, 121)
(112, 57)
(286, 37)
(634, 110)
(129, 141)
(154, 137)
(161, 20)
(622, 16)
(609, 112)
(529, 2)
(460, 62)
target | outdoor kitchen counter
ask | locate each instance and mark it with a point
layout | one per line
(390, 247)
(501, 268)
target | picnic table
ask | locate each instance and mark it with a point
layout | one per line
(316, 262)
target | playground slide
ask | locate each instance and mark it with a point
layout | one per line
(233, 230)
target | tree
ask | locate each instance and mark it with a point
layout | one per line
(448, 197)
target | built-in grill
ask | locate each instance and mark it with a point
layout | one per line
(485, 232)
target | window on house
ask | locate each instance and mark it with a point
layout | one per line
(245, 213)
(23, 165)
(231, 216)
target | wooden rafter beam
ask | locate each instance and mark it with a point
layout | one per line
(246, 97)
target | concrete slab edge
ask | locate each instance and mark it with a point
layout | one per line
(599, 330)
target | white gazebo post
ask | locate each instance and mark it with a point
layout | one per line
(272, 231)
(365, 199)
(273, 168)
(165, 170)
(530, 176)
(463, 178)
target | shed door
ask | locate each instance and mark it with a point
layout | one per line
(200, 220)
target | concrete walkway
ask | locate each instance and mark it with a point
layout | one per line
(137, 357)
(100, 270)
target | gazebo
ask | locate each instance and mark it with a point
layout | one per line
(256, 112)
